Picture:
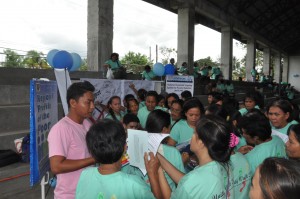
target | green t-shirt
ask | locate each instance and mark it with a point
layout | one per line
(272, 148)
(118, 116)
(181, 131)
(242, 176)
(183, 70)
(196, 71)
(142, 104)
(204, 72)
(143, 115)
(113, 65)
(148, 76)
(229, 88)
(171, 154)
(253, 72)
(208, 181)
(243, 111)
(221, 87)
(242, 142)
(285, 129)
(92, 184)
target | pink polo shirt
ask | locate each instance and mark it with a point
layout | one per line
(67, 138)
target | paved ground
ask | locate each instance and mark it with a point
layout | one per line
(15, 183)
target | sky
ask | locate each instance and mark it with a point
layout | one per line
(44, 25)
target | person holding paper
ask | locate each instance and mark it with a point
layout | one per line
(106, 141)
(211, 142)
(68, 152)
(159, 122)
(151, 104)
(183, 130)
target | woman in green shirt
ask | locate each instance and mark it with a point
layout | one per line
(114, 109)
(279, 113)
(212, 144)
(148, 74)
(293, 144)
(183, 130)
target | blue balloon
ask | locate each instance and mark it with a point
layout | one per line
(62, 59)
(158, 69)
(76, 62)
(169, 69)
(50, 56)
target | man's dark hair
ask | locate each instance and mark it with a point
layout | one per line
(130, 117)
(78, 89)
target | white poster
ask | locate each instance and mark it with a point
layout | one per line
(177, 84)
(105, 88)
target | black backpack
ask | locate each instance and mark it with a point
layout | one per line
(8, 157)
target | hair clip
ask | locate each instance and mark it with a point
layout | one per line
(234, 140)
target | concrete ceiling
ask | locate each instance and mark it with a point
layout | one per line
(273, 23)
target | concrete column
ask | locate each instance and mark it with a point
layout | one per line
(285, 69)
(277, 68)
(226, 52)
(250, 58)
(100, 33)
(267, 61)
(186, 36)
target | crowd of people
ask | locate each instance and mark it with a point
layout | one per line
(226, 146)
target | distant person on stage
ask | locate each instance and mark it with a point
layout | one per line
(170, 69)
(119, 72)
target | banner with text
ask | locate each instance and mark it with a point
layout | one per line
(177, 84)
(43, 115)
(106, 88)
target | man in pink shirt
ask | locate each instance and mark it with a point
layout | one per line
(68, 152)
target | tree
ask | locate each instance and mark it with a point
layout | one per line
(238, 70)
(83, 66)
(34, 59)
(208, 61)
(135, 58)
(167, 53)
(12, 59)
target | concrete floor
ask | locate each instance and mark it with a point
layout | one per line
(15, 183)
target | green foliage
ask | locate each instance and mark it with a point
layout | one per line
(12, 59)
(84, 66)
(135, 58)
(135, 62)
(167, 54)
(35, 60)
(208, 61)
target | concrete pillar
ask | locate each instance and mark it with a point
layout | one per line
(186, 36)
(267, 61)
(100, 33)
(250, 58)
(285, 69)
(277, 68)
(226, 52)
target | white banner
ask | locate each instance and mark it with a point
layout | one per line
(105, 88)
(177, 84)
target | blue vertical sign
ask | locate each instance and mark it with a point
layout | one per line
(43, 115)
